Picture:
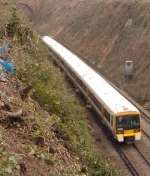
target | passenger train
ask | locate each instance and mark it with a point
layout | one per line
(120, 116)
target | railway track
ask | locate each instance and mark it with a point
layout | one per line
(147, 135)
(127, 161)
(142, 155)
(139, 163)
(146, 118)
(119, 148)
(135, 160)
(135, 157)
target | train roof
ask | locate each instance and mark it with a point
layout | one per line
(102, 90)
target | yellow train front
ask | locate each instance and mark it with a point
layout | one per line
(127, 127)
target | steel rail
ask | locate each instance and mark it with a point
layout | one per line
(142, 155)
(127, 161)
(147, 135)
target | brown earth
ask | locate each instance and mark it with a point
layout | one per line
(105, 34)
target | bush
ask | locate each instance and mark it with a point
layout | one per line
(15, 29)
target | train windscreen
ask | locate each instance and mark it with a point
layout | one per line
(128, 122)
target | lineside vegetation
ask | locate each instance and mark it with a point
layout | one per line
(67, 124)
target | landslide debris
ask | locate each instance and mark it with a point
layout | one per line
(43, 128)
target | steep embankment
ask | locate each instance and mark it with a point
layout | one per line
(43, 127)
(105, 33)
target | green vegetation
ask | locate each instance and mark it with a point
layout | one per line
(53, 94)
(57, 130)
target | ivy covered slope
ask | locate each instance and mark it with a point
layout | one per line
(48, 132)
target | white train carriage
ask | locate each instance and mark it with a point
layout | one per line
(121, 116)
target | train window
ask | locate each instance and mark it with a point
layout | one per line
(128, 122)
(96, 102)
(107, 115)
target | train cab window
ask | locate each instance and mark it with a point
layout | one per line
(128, 122)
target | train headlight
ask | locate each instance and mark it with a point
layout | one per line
(120, 138)
(137, 136)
